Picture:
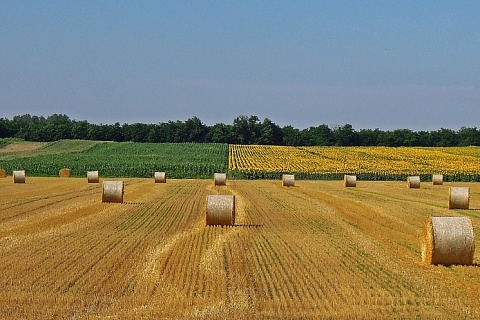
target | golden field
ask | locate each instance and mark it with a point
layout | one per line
(313, 251)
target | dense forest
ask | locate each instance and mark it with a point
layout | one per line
(243, 130)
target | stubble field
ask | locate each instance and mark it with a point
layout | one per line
(316, 250)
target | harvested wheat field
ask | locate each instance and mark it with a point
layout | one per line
(316, 250)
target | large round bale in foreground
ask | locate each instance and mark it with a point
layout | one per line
(160, 177)
(458, 198)
(64, 173)
(437, 179)
(92, 177)
(220, 210)
(288, 180)
(413, 182)
(19, 176)
(349, 181)
(220, 179)
(3, 173)
(112, 191)
(448, 240)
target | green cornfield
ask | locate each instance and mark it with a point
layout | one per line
(113, 159)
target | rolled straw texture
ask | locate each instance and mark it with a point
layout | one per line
(413, 182)
(459, 198)
(92, 177)
(448, 241)
(437, 179)
(3, 173)
(19, 176)
(64, 173)
(112, 191)
(220, 179)
(288, 180)
(220, 210)
(349, 181)
(160, 177)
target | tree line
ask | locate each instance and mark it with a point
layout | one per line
(243, 130)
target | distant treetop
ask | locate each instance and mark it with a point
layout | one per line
(243, 130)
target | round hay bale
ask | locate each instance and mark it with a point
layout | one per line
(220, 210)
(3, 173)
(220, 179)
(448, 240)
(458, 198)
(288, 180)
(64, 173)
(19, 176)
(92, 177)
(437, 179)
(349, 181)
(413, 182)
(160, 177)
(112, 191)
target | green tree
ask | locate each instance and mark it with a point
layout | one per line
(321, 135)
(404, 137)
(291, 136)
(345, 136)
(270, 133)
(469, 136)
(369, 137)
(220, 133)
(444, 138)
(5, 128)
(195, 130)
(80, 130)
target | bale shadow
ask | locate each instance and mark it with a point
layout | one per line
(132, 203)
(474, 265)
(235, 225)
(248, 225)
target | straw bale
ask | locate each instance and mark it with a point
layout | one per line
(160, 177)
(220, 179)
(448, 241)
(413, 182)
(92, 177)
(112, 191)
(64, 173)
(3, 173)
(350, 181)
(437, 179)
(220, 210)
(288, 180)
(19, 176)
(458, 198)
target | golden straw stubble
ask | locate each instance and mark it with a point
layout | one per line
(112, 191)
(448, 241)
(220, 210)
(459, 198)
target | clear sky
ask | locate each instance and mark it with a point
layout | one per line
(372, 64)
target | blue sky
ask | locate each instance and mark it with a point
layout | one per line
(372, 64)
